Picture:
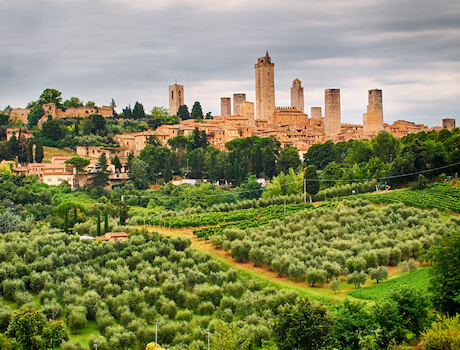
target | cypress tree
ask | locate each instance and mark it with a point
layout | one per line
(98, 223)
(77, 127)
(167, 171)
(30, 150)
(106, 221)
(39, 151)
(66, 221)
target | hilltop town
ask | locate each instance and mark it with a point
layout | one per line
(290, 126)
(110, 225)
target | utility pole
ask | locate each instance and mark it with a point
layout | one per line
(209, 338)
(156, 333)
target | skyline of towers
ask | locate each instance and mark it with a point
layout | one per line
(265, 89)
(265, 106)
(297, 100)
(332, 117)
(176, 98)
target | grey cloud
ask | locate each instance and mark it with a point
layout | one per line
(132, 50)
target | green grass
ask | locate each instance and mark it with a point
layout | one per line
(13, 305)
(83, 335)
(444, 196)
(418, 279)
(49, 152)
(77, 197)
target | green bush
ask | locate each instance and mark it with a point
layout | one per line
(444, 334)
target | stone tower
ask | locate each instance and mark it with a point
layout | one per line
(225, 106)
(176, 98)
(238, 99)
(332, 118)
(373, 119)
(265, 89)
(297, 95)
(316, 113)
(448, 123)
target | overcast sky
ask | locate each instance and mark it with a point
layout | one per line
(131, 50)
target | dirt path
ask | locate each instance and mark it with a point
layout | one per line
(262, 272)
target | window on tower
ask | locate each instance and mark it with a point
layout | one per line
(172, 95)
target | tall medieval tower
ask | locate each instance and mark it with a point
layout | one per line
(332, 119)
(176, 98)
(265, 89)
(373, 119)
(297, 95)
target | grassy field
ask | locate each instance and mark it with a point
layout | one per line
(418, 279)
(83, 335)
(50, 152)
(444, 196)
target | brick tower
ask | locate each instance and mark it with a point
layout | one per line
(265, 89)
(373, 119)
(297, 95)
(332, 118)
(176, 98)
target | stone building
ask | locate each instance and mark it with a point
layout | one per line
(332, 117)
(176, 98)
(238, 99)
(247, 111)
(290, 116)
(54, 112)
(373, 119)
(297, 100)
(225, 106)
(265, 89)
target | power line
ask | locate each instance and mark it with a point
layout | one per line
(298, 181)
